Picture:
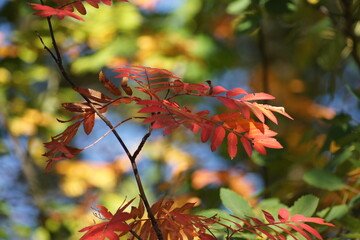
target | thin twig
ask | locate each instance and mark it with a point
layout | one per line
(135, 234)
(45, 47)
(141, 190)
(109, 131)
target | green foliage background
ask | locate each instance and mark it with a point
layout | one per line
(304, 52)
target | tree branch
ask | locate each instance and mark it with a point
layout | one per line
(58, 59)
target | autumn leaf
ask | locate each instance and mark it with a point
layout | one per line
(125, 86)
(257, 96)
(232, 140)
(169, 115)
(89, 122)
(46, 11)
(93, 94)
(66, 8)
(218, 137)
(108, 84)
(161, 87)
(247, 145)
(108, 229)
(235, 92)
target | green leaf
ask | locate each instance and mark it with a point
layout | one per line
(235, 203)
(350, 223)
(323, 179)
(238, 6)
(305, 205)
(334, 212)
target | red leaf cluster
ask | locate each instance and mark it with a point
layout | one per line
(172, 221)
(237, 126)
(67, 7)
(160, 88)
(176, 223)
(58, 147)
(275, 229)
(108, 229)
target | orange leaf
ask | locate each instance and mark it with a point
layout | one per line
(235, 92)
(259, 148)
(93, 94)
(80, 7)
(89, 123)
(265, 110)
(105, 212)
(257, 111)
(125, 86)
(270, 143)
(108, 84)
(76, 107)
(206, 131)
(217, 138)
(218, 90)
(232, 144)
(257, 96)
(92, 3)
(247, 145)
(230, 103)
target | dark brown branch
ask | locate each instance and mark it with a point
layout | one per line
(135, 234)
(141, 190)
(132, 158)
(142, 143)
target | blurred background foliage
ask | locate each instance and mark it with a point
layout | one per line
(304, 52)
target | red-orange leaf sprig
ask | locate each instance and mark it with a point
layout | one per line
(276, 229)
(67, 7)
(58, 148)
(110, 229)
(160, 88)
(174, 222)
(177, 223)
(163, 86)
